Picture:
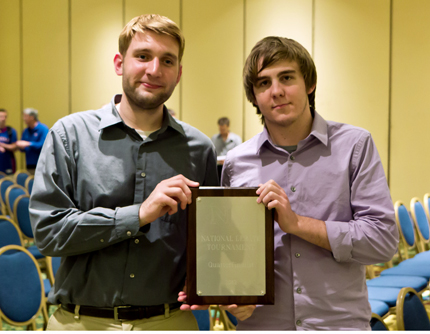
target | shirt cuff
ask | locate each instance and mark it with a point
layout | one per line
(127, 221)
(340, 241)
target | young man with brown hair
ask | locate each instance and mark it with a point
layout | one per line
(325, 180)
(111, 191)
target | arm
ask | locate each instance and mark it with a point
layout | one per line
(371, 236)
(61, 228)
(37, 144)
(12, 145)
(309, 229)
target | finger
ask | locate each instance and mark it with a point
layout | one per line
(228, 307)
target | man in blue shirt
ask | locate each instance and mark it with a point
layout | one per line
(7, 145)
(32, 138)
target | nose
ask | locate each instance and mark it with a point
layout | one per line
(277, 89)
(154, 67)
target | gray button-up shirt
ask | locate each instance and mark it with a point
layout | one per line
(222, 147)
(93, 174)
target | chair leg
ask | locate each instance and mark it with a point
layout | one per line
(45, 317)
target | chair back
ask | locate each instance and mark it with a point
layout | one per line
(21, 288)
(12, 193)
(29, 183)
(20, 177)
(9, 233)
(21, 214)
(406, 229)
(2, 174)
(410, 311)
(377, 323)
(202, 317)
(5, 183)
(421, 223)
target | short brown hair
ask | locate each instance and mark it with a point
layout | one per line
(269, 51)
(150, 22)
(224, 121)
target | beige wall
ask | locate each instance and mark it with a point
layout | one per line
(60, 53)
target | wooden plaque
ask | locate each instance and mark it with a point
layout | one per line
(230, 248)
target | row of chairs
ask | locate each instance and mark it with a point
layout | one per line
(23, 290)
(409, 280)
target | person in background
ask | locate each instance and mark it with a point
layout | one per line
(326, 183)
(32, 138)
(111, 191)
(225, 140)
(8, 139)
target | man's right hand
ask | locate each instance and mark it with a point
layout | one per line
(165, 199)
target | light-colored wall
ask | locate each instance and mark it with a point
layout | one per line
(60, 53)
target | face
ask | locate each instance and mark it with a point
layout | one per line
(28, 120)
(281, 95)
(3, 117)
(150, 69)
(223, 129)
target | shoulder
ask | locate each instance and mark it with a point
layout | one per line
(347, 133)
(194, 136)
(73, 121)
(247, 148)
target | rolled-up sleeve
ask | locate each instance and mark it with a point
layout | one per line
(60, 227)
(372, 235)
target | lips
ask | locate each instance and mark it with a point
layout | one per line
(280, 106)
(151, 85)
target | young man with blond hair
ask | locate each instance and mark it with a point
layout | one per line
(111, 191)
(325, 180)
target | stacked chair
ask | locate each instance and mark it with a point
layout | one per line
(410, 278)
(22, 295)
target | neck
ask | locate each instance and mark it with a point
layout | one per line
(138, 118)
(290, 134)
(33, 125)
(224, 136)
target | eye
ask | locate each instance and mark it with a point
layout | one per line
(287, 77)
(263, 83)
(142, 57)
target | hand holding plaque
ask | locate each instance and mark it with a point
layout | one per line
(230, 248)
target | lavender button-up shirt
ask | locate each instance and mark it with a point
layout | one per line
(335, 175)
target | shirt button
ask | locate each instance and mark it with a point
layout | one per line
(136, 241)
(293, 189)
(292, 157)
(299, 291)
(131, 275)
(102, 240)
(297, 254)
(298, 323)
(129, 233)
(143, 174)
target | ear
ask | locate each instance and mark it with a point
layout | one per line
(117, 61)
(311, 89)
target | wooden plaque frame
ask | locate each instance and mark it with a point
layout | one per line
(192, 297)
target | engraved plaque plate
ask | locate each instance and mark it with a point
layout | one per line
(230, 248)
(229, 257)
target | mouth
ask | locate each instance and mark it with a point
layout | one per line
(278, 106)
(150, 85)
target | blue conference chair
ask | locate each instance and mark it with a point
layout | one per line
(416, 282)
(203, 320)
(5, 183)
(386, 295)
(10, 235)
(12, 193)
(421, 222)
(20, 177)
(377, 323)
(379, 307)
(22, 296)
(29, 183)
(411, 313)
